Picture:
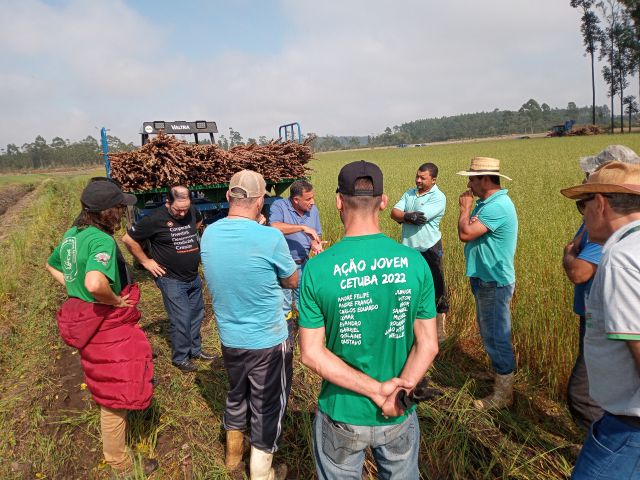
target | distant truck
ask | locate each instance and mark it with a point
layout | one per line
(210, 200)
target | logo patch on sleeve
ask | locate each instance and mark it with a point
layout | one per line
(102, 258)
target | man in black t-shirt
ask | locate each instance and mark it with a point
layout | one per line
(174, 249)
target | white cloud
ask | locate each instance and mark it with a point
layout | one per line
(346, 68)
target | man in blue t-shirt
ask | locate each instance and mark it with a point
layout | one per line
(297, 218)
(490, 233)
(245, 265)
(580, 261)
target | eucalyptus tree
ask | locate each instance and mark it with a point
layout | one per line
(633, 12)
(633, 8)
(591, 34)
(532, 111)
(631, 107)
(612, 12)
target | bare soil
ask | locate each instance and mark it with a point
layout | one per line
(13, 199)
(71, 396)
(11, 194)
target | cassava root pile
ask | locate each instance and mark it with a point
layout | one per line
(165, 160)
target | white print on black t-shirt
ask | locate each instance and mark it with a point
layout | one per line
(183, 241)
(355, 267)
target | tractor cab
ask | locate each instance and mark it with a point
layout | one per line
(180, 127)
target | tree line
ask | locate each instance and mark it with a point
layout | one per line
(611, 30)
(532, 117)
(60, 152)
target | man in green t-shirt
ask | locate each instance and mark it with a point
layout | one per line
(490, 233)
(367, 318)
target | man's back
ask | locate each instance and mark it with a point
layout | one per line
(242, 262)
(366, 291)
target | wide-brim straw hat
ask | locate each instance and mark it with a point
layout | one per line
(621, 153)
(612, 177)
(483, 166)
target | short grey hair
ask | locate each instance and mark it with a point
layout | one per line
(624, 203)
(620, 153)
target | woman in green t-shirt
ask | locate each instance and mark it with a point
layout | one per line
(100, 318)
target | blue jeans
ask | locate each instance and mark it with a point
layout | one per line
(339, 449)
(185, 309)
(610, 452)
(494, 321)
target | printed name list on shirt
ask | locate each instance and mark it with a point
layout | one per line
(359, 274)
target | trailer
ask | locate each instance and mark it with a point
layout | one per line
(210, 200)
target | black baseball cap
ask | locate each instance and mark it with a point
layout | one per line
(99, 196)
(360, 169)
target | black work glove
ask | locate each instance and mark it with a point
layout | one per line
(421, 393)
(417, 218)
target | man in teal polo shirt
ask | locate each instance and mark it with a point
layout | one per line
(420, 211)
(490, 234)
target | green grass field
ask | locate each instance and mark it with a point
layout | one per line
(50, 426)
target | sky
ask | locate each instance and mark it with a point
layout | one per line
(338, 67)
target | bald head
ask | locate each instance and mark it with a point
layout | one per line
(178, 201)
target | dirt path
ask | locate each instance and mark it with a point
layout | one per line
(13, 200)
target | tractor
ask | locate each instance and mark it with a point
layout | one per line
(562, 129)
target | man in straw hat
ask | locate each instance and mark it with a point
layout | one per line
(246, 265)
(490, 232)
(580, 260)
(610, 204)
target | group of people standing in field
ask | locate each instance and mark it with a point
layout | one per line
(371, 311)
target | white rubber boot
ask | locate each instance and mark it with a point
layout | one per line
(260, 466)
(502, 395)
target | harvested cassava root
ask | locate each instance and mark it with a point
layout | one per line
(165, 161)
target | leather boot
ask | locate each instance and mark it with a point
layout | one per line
(260, 466)
(440, 321)
(502, 395)
(233, 455)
